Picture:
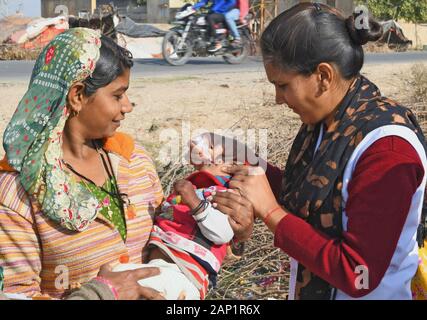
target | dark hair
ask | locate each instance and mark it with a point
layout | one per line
(301, 38)
(113, 61)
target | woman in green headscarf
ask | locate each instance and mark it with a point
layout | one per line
(75, 195)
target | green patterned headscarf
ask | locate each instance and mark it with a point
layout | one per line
(33, 138)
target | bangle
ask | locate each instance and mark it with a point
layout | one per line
(269, 213)
(109, 284)
(203, 214)
(203, 204)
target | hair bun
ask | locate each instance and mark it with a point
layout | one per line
(361, 36)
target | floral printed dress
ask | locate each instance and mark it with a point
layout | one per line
(110, 206)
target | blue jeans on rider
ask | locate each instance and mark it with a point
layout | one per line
(231, 17)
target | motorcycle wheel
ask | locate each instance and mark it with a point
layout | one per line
(170, 49)
(239, 55)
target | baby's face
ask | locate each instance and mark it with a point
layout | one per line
(203, 153)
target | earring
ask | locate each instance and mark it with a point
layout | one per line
(75, 113)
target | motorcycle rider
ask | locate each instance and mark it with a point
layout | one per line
(216, 15)
(238, 13)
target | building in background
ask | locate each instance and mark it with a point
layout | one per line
(48, 7)
(163, 11)
(154, 11)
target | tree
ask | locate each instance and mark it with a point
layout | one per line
(408, 10)
(140, 2)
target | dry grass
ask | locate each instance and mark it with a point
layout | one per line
(14, 52)
(263, 271)
(419, 82)
(418, 89)
(376, 47)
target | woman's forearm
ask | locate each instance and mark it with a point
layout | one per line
(275, 176)
(93, 290)
(376, 211)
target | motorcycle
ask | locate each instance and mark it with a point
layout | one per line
(190, 38)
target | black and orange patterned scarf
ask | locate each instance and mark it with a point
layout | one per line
(312, 186)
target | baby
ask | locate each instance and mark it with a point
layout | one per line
(190, 238)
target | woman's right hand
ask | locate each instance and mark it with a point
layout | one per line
(126, 283)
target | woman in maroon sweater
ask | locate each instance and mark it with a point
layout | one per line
(347, 206)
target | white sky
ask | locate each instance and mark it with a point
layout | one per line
(30, 8)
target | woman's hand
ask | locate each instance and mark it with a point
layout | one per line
(126, 283)
(239, 211)
(252, 183)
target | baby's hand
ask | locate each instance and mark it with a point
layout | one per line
(185, 189)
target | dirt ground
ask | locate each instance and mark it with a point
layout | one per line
(216, 101)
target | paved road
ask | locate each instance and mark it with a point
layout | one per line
(21, 70)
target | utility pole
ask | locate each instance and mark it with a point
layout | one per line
(262, 15)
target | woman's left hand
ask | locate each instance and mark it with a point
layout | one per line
(126, 283)
(252, 183)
